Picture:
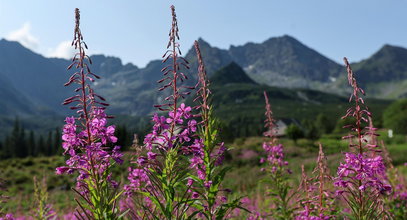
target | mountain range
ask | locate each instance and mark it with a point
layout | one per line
(31, 84)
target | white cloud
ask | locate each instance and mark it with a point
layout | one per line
(63, 50)
(24, 36)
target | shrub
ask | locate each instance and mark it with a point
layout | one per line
(294, 132)
(395, 117)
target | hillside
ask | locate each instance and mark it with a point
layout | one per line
(279, 61)
(284, 62)
(232, 73)
(241, 104)
(384, 74)
(387, 64)
(12, 102)
(34, 76)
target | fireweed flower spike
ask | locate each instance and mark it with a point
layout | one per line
(316, 200)
(362, 179)
(43, 210)
(159, 177)
(87, 140)
(207, 155)
(306, 201)
(269, 122)
(277, 178)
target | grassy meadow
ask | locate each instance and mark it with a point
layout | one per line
(245, 177)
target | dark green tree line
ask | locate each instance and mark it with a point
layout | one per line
(22, 143)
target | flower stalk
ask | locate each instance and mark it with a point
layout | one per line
(317, 200)
(159, 177)
(44, 210)
(87, 140)
(362, 177)
(277, 178)
(208, 154)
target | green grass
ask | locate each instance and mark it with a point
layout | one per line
(244, 172)
(243, 179)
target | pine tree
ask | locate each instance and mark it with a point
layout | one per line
(14, 138)
(31, 145)
(123, 137)
(57, 148)
(41, 146)
(21, 144)
(16, 146)
(324, 125)
(49, 145)
(7, 147)
(1, 150)
(311, 131)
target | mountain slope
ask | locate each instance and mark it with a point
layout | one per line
(36, 77)
(12, 102)
(213, 57)
(384, 74)
(232, 73)
(240, 106)
(285, 58)
(279, 61)
(387, 64)
(294, 103)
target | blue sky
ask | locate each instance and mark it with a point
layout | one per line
(136, 30)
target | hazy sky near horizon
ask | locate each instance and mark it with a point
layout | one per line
(137, 30)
